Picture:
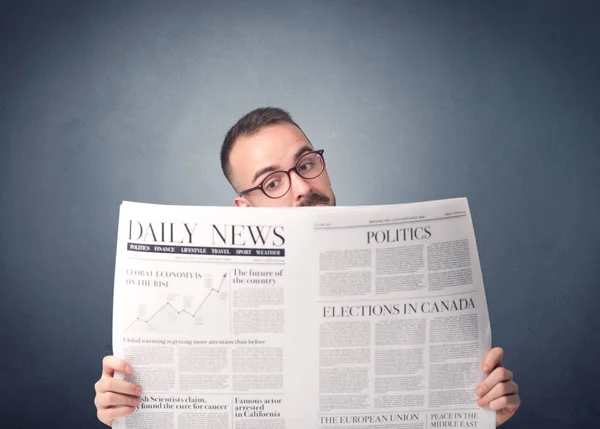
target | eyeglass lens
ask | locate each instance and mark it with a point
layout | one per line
(309, 166)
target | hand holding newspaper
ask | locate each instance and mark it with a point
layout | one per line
(335, 317)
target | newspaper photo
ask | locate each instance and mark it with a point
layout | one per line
(326, 317)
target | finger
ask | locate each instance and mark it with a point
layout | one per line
(499, 390)
(111, 399)
(110, 364)
(111, 384)
(107, 415)
(497, 376)
(509, 403)
(492, 360)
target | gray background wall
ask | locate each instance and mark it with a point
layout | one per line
(106, 101)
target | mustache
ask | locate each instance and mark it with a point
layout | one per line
(314, 198)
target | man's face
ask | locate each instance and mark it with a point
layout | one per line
(273, 148)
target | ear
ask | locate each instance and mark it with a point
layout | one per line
(241, 202)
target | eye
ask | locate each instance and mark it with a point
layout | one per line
(272, 184)
(305, 166)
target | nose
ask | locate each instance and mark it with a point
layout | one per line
(299, 186)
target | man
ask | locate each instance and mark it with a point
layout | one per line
(269, 161)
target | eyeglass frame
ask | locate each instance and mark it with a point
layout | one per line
(294, 168)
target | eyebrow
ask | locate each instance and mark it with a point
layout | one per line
(276, 167)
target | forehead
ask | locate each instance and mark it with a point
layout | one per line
(274, 145)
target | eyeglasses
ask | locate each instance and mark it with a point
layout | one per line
(277, 184)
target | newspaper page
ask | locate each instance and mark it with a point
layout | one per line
(345, 317)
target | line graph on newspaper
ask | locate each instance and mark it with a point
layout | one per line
(200, 311)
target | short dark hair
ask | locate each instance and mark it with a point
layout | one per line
(249, 124)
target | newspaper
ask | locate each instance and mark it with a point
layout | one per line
(339, 317)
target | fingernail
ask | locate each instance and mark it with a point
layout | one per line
(486, 369)
(128, 370)
(480, 402)
(479, 391)
(138, 390)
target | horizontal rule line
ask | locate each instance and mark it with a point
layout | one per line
(387, 411)
(213, 393)
(389, 223)
(198, 261)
